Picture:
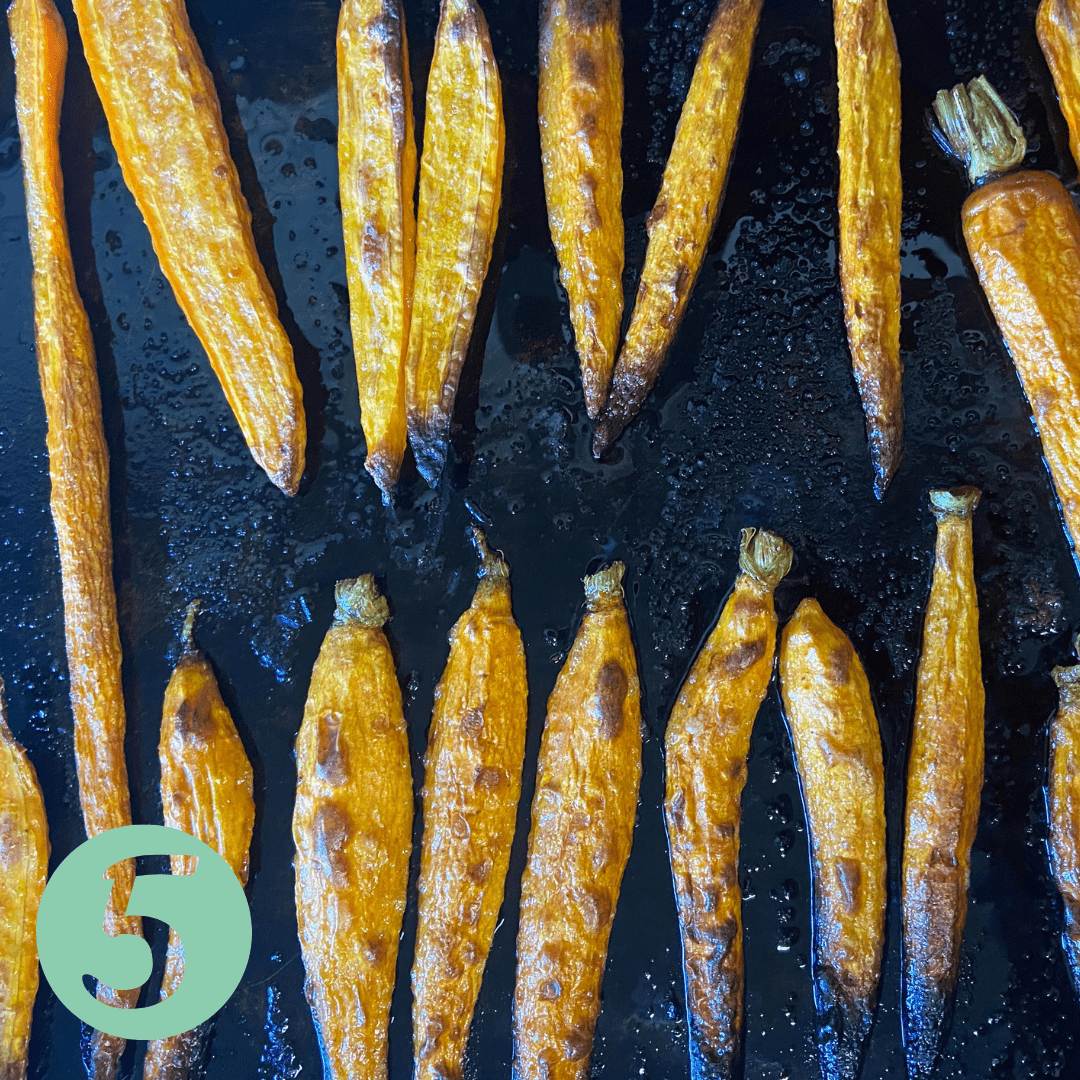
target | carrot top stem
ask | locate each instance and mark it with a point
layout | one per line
(604, 587)
(954, 502)
(979, 128)
(765, 556)
(358, 600)
(491, 564)
(186, 634)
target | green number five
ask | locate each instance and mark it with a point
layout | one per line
(207, 909)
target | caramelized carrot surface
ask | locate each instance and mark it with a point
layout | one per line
(78, 470)
(166, 128)
(1057, 23)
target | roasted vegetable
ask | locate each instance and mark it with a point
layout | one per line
(838, 754)
(78, 470)
(868, 72)
(460, 188)
(207, 791)
(707, 740)
(581, 110)
(166, 128)
(475, 749)
(377, 176)
(24, 866)
(1063, 806)
(353, 831)
(685, 212)
(582, 826)
(1023, 235)
(944, 781)
(1057, 24)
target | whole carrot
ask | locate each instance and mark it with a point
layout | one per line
(705, 749)
(458, 211)
(868, 74)
(377, 175)
(352, 826)
(471, 789)
(1023, 235)
(1063, 806)
(581, 111)
(582, 827)
(166, 128)
(24, 866)
(78, 470)
(944, 782)
(207, 791)
(685, 212)
(838, 754)
(1057, 24)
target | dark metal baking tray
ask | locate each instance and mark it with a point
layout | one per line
(755, 421)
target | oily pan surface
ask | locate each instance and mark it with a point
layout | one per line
(754, 421)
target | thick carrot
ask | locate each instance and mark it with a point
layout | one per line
(944, 782)
(166, 127)
(685, 212)
(460, 189)
(868, 73)
(78, 469)
(1023, 235)
(581, 111)
(24, 865)
(377, 175)
(582, 827)
(705, 749)
(475, 750)
(207, 791)
(1057, 24)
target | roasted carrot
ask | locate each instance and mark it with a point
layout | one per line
(377, 176)
(1063, 806)
(166, 128)
(1023, 235)
(582, 827)
(838, 754)
(944, 781)
(868, 73)
(207, 791)
(1057, 24)
(24, 866)
(78, 469)
(581, 111)
(353, 831)
(475, 750)
(685, 212)
(460, 188)
(707, 740)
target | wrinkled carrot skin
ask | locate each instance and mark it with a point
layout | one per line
(868, 74)
(581, 112)
(582, 828)
(705, 749)
(1063, 805)
(24, 867)
(837, 745)
(78, 470)
(166, 128)
(460, 189)
(352, 826)
(1023, 236)
(944, 782)
(377, 176)
(207, 790)
(475, 751)
(1057, 24)
(685, 212)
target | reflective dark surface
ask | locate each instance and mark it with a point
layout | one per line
(755, 421)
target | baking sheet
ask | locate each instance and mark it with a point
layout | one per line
(755, 421)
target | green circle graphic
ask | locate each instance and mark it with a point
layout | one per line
(208, 911)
